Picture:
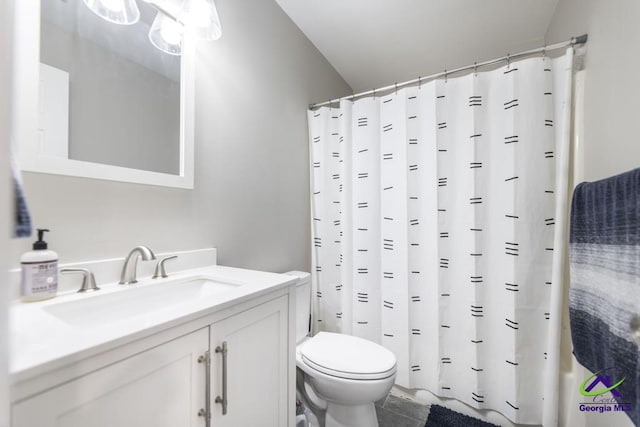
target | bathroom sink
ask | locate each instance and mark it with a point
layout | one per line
(140, 301)
(73, 327)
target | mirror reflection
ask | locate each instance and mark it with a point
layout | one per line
(107, 95)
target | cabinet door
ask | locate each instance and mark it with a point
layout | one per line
(257, 357)
(161, 387)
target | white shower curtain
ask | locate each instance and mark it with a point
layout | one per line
(434, 215)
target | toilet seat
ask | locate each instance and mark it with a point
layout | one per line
(347, 357)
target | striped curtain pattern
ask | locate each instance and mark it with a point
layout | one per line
(433, 222)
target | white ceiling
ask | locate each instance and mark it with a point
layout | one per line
(374, 43)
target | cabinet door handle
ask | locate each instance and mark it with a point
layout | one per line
(206, 413)
(223, 399)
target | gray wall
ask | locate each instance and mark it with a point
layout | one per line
(251, 199)
(612, 99)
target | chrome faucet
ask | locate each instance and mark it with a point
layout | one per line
(128, 275)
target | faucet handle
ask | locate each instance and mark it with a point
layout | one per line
(160, 271)
(88, 279)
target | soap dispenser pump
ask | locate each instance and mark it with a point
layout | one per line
(39, 271)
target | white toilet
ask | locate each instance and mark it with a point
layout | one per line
(341, 375)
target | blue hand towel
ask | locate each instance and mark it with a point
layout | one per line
(21, 217)
(604, 294)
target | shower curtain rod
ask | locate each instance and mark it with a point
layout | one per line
(572, 42)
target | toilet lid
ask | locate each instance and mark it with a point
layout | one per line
(346, 356)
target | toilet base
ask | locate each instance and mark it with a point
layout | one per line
(351, 416)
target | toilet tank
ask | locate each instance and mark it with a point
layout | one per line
(303, 304)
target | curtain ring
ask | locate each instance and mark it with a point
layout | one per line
(374, 94)
(396, 85)
(419, 82)
(544, 52)
(475, 69)
(508, 60)
(445, 75)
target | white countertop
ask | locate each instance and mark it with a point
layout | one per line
(41, 341)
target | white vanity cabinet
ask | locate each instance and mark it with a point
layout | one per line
(256, 367)
(161, 387)
(161, 380)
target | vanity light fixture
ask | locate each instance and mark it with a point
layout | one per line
(122, 12)
(166, 34)
(174, 17)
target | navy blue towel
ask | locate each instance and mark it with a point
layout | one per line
(439, 416)
(604, 294)
(21, 218)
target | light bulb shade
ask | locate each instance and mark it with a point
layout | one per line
(200, 17)
(166, 34)
(123, 12)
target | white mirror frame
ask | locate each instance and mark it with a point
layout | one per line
(26, 106)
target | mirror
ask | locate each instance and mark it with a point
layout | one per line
(110, 105)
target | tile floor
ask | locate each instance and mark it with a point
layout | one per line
(395, 411)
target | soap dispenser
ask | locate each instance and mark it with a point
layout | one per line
(39, 271)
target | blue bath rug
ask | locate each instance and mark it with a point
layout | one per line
(439, 416)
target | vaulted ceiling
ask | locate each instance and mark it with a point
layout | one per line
(374, 43)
